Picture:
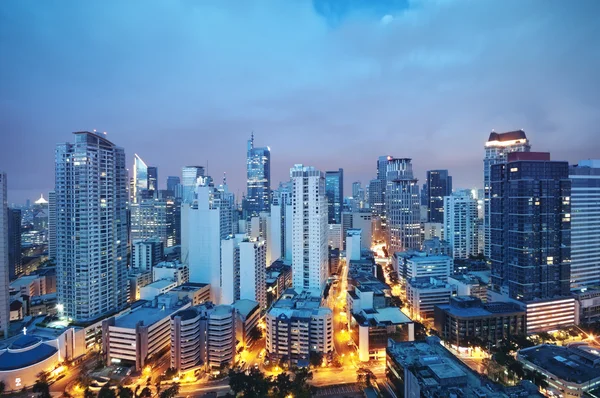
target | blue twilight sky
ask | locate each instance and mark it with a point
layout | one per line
(328, 83)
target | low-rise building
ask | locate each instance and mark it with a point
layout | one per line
(146, 253)
(587, 304)
(278, 280)
(296, 326)
(137, 279)
(247, 316)
(28, 285)
(570, 371)
(552, 314)
(197, 293)
(141, 333)
(154, 289)
(203, 336)
(171, 270)
(43, 305)
(467, 318)
(422, 295)
(469, 285)
(419, 264)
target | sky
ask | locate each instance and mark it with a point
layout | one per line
(325, 83)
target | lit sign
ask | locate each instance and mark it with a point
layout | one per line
(18, 382)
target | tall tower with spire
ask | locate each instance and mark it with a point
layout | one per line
(258, 166)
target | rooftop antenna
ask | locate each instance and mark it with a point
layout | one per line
(224, 178)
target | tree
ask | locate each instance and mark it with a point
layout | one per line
(146, 392)
(66, 395)
(124, 392)
(158, 385)
(2, 387)
(84, 380)
(41, 386)
(87, 393)
(237, 381)
(282, 385)
(137, 390)
(315, 358)
(170, 373)
(300, 387)
(365, 377)
(106, 392)
(170, 392)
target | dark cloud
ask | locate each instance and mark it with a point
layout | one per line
(186, 82)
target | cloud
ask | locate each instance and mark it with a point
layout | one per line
(186, 82)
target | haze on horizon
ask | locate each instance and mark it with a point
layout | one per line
(325, 83)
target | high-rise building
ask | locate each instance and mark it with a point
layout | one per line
(531, 226)
(243, 267)
(497, 147)
(174, 186)
(281, 223)
(189, 180)
(153, 218)
(4, 273)
(309, 230)
(153, 179)
(439, 184)
(461, 226)
(140, 178)
(15, 262)
(146, 253)
(402, 203)
(258, 165)
(334, 190)
(52, 225)
(91, 226)
(585, 223)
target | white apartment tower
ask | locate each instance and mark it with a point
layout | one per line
(402, 205)
(91, 226)
(4, 273)
(309, 230)
(461, 227)
(497, 148)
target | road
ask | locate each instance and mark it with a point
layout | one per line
(72, 374)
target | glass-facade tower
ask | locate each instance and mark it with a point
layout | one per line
(334, 190)
(258, 166)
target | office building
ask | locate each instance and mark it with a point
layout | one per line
(530, 213)
(546, 315)
(296, 326)
(140, 334)
(137, 279)
(189, 180)
(436, 247)
(4, 271)
(422, 295)
(243, 267)
(146, 253)
(472, 284)
(570, 371)
(353, 246)
(153, 180)
(139, 182)
(278, 280)
(156, 288)
(497, 147)
(419, 264)
(334, 190)
(585, 223)
(172, 271)
(334, 236)
(203, 335)
(432, 230)
(258, 166)
(247, 314)
(362, 220)
(91, 226)
(15, 262)
(466, 319)
(309, 230)
(439, 184)
(587, 305)
(197, 293)
(153, 218)
(402, 205)
(281, 219)
(461, 226)
(376, 197)
(174, 187)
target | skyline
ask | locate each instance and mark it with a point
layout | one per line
(380, 75)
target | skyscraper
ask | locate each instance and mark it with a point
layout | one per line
(153, 179)
(52, 225)
(497, 147)
(14, 243)
(91, 227)
(281, 222)
(334, 190)
(530, 226)
(402, 204)
(4, 274)
(140, 178)
(585, 223)
(309, 230)
(173, 183)
(153, 218)
(461, 227)
(439, 184)
(189, 179)
(258, 164)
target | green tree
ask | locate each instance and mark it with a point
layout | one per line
(237, 381)
(170, 392)
(124, 392)
(282, 385)
(300, 387)
(2, 387)
(41, 386)
(170, 373)
(255, 334)
(365, 377)
(315, 358)
(137, 390)
(106, 392)
(146, 392)
(87, 393)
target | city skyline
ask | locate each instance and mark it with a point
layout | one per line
(358, 49)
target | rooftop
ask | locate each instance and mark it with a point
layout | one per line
(245, 307)
(391, 315)
(564, 362)
(161, 284)
(508, 136)
(145, 314)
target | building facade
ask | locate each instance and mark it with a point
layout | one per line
(189, 180)
(4, 272)
(334, 190)
(15, 262)
(309, 230)
(146, 253)
(497, 147)
(91, 227)
(439, 185)
(258, 167)
(461, 225)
